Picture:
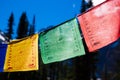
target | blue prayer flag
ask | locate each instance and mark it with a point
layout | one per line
(3, 48)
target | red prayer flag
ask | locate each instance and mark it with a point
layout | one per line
(101, 24)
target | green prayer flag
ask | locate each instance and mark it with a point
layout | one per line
(61, 42)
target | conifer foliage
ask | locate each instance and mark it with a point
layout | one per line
(10, 26)
(22, 30)
(32, 27)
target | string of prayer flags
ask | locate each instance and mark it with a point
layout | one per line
(22, 54)
(61, 42)
(3, 48)
(101, 24)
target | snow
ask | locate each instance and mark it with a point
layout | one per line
(96, 2)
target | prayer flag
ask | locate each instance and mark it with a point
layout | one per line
(3, 48)
(61, 42)
(22, 54)
(101, 24)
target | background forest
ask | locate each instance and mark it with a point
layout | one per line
(99, 65)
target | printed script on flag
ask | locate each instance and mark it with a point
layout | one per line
(3, 48)
(22, 55)
(101, 24)
(61, 43)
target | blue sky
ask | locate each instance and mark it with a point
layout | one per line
(47, 12)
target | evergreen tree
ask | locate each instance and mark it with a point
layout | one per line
(10, 26)
(32, 27)
(116, 75)
(89, 4)
(83, 6)
(83, 64)
(22, 30)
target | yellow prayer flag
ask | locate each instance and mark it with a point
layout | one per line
(22, 55)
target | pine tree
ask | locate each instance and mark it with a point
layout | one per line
(10, 26)
(22, 30)
(32, 27)
(83, 63)
(83, 6)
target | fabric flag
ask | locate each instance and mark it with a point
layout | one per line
(61, 42)
(3, 48)
(22, 54)
(101, 24)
